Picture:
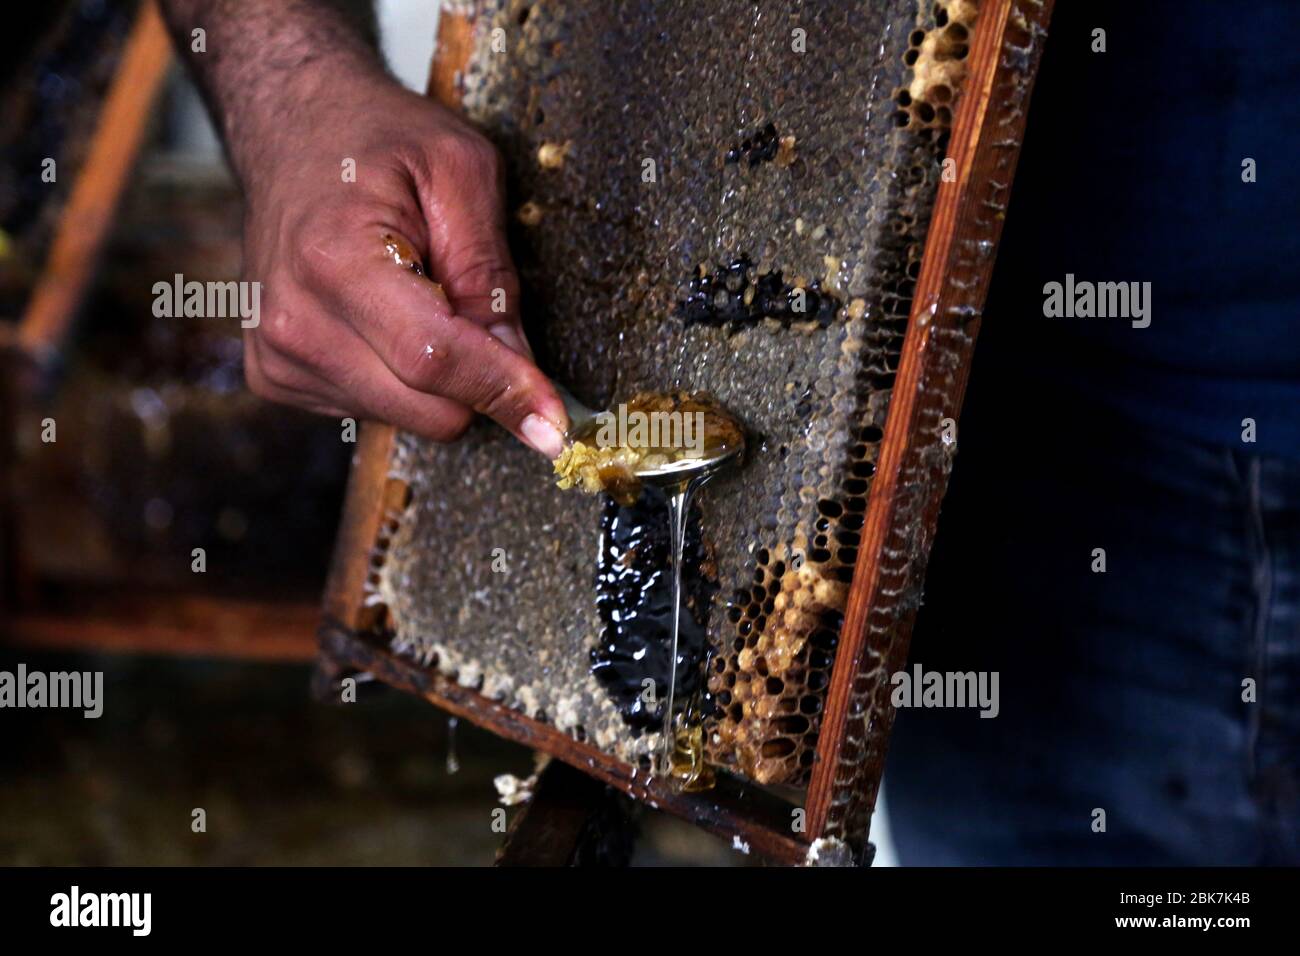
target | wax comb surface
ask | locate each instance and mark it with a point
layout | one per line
(682, 174)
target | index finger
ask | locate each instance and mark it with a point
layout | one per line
(409, 323)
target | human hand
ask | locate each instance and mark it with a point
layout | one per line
(344, 329)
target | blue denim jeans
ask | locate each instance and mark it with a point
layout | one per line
(1121, 691)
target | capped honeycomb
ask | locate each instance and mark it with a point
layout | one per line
(937, 57)
(705, 197)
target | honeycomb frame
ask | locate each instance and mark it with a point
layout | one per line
(931, 362)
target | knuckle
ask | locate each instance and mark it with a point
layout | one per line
(422, 367)
(280, 332)
(496, 399)
(473, 153)
(470, 164)
(451, 425)
(481, 269)
(279, 375)
(315, 252)
(256, 379)
(505, 399)
(312, 263)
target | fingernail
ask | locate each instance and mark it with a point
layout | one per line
(510, 334)
(542, 435)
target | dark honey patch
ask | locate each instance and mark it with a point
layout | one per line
(634, 600)
(759, 147)
(737, 295)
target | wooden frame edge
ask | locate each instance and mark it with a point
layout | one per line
(193, 625)
(761, 822)
(363, 514)
(955, 270)
(85, 220)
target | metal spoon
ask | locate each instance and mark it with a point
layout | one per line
(580, 416)
(685, 471)
(666, 475)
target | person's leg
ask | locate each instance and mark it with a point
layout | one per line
(1273, 503)
(1120, 691)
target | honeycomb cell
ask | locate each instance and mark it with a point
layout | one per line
(936, 57)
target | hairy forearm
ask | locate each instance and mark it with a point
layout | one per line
(265, 65)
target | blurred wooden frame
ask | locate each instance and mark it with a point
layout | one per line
(86, 218)
(114, 622)
(947, 305)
